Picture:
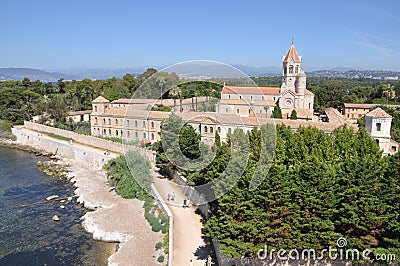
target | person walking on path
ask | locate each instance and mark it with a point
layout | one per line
(209, 260)
(191, 263)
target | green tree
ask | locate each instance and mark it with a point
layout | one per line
(293, 115)
(277, 112)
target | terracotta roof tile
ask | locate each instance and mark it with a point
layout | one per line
(251, 90)
(378, 112)
(292, 53)
(100, 99)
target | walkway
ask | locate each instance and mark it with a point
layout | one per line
(188, 238)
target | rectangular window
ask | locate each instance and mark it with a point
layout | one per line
(237, 110)
(378, 126)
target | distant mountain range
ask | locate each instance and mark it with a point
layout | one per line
(186, 70)
(32, 74)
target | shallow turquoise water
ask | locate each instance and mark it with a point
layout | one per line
(28, 235)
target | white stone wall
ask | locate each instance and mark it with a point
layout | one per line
(65, 150)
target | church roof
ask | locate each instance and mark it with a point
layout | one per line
(100, 99)
(251, 90)
(292, 53)
(378, 112)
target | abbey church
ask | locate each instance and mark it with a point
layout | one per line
(292, 95)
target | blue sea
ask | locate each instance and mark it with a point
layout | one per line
(28, 235)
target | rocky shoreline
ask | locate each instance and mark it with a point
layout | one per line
(12, 144)
(112, 219)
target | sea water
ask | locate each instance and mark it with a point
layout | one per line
(28, 235)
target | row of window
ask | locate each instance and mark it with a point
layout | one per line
(120, 133)
(211, 129)
(121, 122)
(251, 97)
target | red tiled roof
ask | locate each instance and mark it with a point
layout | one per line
(251, 90)
(292, 53)
(100, 99)
(378, 112)
(359, 105)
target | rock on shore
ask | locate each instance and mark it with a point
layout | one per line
(18, 146)
(114, 218)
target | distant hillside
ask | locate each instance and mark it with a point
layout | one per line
(351, 74)
(187, 70)
(33, 74)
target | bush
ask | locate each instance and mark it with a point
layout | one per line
(159, 245)
(160, 259)
(126, 172)
(5, 130)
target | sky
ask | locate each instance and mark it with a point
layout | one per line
(49, 34)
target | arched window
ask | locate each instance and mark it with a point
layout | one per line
(136, 135)
(229, 96)
(116, 132)
(229, 130)
(98, 131)
(95, 108)
(144, 123)
(152, 124)
(226, 110)
(109, 132)
(378, 126)
(95, 120)
(211, 130)
(105, 132)
(200, 128)
(127, 122)
(297, 69)
(219, 129)
(122, 133)
(129, 134)
(104, 121)
(205, 129)
(152, 136)
(116, 121)
(109, 121)
(135, 123)
(290, 69)
(262, 98)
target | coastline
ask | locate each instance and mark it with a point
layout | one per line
(111, 218)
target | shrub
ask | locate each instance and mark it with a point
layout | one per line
(159, 245)
(160, 259)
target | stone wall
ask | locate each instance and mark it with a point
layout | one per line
(84, 139)
(65, 150)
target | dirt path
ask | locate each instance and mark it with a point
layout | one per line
(188, 238)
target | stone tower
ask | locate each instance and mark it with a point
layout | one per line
(377, 124)
(100, 105)
(293, 79)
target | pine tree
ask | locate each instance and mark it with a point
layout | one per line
(277, 112)
(293, 115)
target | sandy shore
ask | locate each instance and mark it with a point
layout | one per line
(113, 218)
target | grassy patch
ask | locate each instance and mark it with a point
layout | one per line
(52, 135)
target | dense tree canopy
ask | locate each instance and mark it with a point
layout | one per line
(319, 188)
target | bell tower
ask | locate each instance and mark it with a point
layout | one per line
(293, 77)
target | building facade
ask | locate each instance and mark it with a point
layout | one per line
(292, 95)
(378, 124)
